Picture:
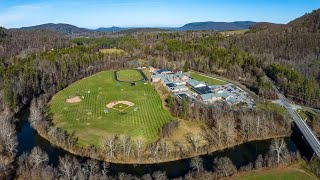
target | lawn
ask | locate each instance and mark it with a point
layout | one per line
(129, 75)
(234, 32)
(91, 121)
(207, 80)
(292, 172)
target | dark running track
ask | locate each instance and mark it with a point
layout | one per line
(144, 77)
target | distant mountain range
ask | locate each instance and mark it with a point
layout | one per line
(213, 26)
(62, 28)
(217, 26)
(111, 29)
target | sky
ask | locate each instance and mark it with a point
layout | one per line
(148, 13)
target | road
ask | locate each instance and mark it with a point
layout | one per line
(302, 125)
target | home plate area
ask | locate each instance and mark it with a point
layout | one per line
(120, 105)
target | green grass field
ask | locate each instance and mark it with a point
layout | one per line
(293, 172)
(207, 80)
(284, 175)
(129, 75)
(91, 121)
(113, 51)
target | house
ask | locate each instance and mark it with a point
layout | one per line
(203, 90)
(232, 100)
(196, 84)
(181, 96)
(209, 98)
(180, 88)
(171, 85)
(215, 87)
(151, 69)
(156, 78)
(164, 71)
(177, 78)
(224, 94)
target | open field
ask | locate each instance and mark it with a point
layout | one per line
(113, 51)
(234, 32)
(129, 75)
(91, 120)
(207, 80)
(293, 172)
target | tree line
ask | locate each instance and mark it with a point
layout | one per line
(36, 165)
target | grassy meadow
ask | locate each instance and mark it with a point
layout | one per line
(113, 51)
(207, 80)
(91, 121)
(129, 75)
(292, 172)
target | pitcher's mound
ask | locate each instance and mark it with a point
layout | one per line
(73, 100)
(120, 105)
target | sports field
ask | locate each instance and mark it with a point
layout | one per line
(91, 120)
(207, 80)
(129, 75)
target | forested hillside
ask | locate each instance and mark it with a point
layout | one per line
(60, 28)
(18, 42)
(39, 63)
(296, 44)
(216, 26)
(289, 54)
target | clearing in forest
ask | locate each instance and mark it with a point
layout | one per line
(113, 51)
(91, 120)
(208, 80)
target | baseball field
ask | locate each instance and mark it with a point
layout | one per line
(99, 106)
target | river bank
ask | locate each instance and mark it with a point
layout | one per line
(240, 155)
(78, 152)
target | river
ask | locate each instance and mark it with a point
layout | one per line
(240, 155)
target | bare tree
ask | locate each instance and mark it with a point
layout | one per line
(278, 146)
(224, 166)
(158, 175)
(154, 151)
(219, 130)
(105, 168)
(93, 167)
(230, 133)
(197, 164)
(126, 145)
(139, 148)
(8, 136)
(66, 167)
(259, 162)
(110, 146)
(38, 157)
(194, 141)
